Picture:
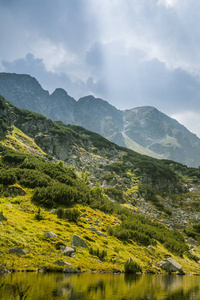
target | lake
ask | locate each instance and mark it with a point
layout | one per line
(88, 286)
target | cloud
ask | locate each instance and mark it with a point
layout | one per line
(130, 79)
(131, 53)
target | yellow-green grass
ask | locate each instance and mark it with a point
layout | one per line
(23, 230)
(19, 141)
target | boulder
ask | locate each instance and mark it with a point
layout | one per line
(192, 242)
(17, 190)
(61, 263)
(50, 234)
(92, 228)
(70, 270)
(98, 232)
(171, 265)
(151, 248)
(3, 269)
(78, 242)
(83, 216)
(68, 251)
(2, 218)
(17, 250)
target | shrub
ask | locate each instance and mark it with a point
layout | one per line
(197, 227)
(193, 257)
(100, 254)
(72, 214)
(132, 267)
(56, 194)
(38, 215)
(7, 177)
(60, 213)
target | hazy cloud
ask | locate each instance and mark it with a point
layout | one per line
(131, 53)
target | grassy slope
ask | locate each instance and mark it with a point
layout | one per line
(23, 230)
(19, 141)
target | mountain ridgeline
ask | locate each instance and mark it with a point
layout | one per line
(86, 150)
(143, 129)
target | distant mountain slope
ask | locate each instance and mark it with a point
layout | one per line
(86, 150)
(143, 129)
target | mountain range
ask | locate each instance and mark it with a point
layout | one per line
(143, 129)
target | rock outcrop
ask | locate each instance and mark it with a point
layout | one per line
(68, 251)
(3, 269)
(78, 242)
(17, 250)
(50, 234)
(61, 263)
(171, 265)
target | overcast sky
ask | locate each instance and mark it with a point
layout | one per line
(129, 52)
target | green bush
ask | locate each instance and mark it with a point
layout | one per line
(33, 178)
(193, 257)
(132, 267)
(196, 227)
(38, 215)
(72, 214)
(100, 254)
(7, 177)
(60, 213)
(56, 194)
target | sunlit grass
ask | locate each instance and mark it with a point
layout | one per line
(22, 230)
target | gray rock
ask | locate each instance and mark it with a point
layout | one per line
(62, 263)
(171, 265)
(17, 250)
(17, 190)
(9, 205)
(78, 242)
(50, 234)
(68, 251)
(151, 248)
(2, 217)
(91, 227)
(192, 242)
(83, 216)
(98, 232)
(70, 270)
(3, 269)
(54, 211)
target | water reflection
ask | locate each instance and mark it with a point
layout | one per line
(100, 287)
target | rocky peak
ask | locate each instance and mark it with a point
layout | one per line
(142, 129)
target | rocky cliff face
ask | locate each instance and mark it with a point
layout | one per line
(143, 129)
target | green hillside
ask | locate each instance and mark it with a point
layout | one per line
(99, 192)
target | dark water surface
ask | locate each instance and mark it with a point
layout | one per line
(99, 287)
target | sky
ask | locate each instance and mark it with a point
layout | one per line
(128, 52)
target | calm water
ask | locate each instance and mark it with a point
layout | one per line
(100, 286)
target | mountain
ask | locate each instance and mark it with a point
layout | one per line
(143, 129)
(63, 185)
